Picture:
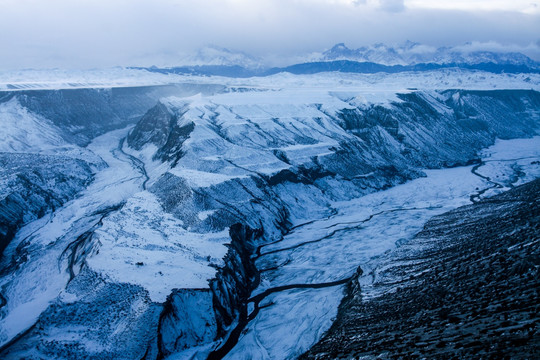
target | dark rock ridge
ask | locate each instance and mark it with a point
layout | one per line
(345, 66)
(159, 126)
(467, 286)
(221, 305)
(235, 281)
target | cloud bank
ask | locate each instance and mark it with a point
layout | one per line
(97, 33)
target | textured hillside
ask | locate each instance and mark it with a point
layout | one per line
(466, 286)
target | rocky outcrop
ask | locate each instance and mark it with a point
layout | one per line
(188, 320)
(466, 286)
(235, 281)
(161, 127)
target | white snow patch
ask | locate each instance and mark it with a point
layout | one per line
(196, 178)
(23, 131)
(29, 289)
(141, 244)
(203, 215)
(379, 82)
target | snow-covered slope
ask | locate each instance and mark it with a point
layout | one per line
(445, 292)
(45, 161)
(158, 255)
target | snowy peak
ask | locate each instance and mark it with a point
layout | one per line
(407, 53)
(407, 57)
(410, 53)
(378, 53)
(218, 56)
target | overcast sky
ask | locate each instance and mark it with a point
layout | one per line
(103, 33)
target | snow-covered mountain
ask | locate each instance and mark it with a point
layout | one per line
(408, 57)
(218, 56)
(411, 53)
(221, 218)
(408, 53)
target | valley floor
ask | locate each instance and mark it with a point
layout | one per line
(303, 275)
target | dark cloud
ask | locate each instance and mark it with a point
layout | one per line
(97, 33)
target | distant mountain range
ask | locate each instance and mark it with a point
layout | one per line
(217, 56)
(410, 56)
(412, 53)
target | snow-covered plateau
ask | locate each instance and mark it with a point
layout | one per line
(119, 77)
(151, 216)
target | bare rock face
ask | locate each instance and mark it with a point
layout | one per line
(152, 128)
(467, 286)
(161, 127)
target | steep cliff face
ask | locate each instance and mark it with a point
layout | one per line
(443, 129)
(160, 127)
(235, 281)
(197, 318)
(187, 321)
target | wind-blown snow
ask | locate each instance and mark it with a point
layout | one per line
(26, 132)
(197, 178)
